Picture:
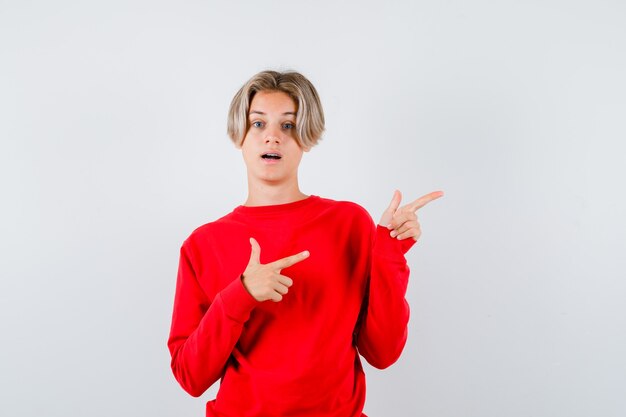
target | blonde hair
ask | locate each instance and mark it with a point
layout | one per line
(309, 117)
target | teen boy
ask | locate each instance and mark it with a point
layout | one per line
(280, 297)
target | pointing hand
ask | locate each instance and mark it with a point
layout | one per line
(402, 221)
(264, 282)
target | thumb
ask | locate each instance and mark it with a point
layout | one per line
(391, 209)
(255, 254)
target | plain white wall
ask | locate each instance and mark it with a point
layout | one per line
(113, 148)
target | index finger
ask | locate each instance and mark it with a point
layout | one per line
(423, 200)
(290, 260)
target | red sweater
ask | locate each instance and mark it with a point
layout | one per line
(300, 356)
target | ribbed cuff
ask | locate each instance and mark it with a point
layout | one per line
(388, 246)
(237, 301)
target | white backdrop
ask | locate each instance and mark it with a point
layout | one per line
(113, 149)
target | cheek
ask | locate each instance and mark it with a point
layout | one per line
(296, 160)
(247, 152)
(246, 139)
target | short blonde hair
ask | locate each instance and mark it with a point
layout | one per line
(309, 117)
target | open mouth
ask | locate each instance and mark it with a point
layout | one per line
(271, 155)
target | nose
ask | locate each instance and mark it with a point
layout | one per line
(271, 138)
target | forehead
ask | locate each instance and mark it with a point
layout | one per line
(276, 102)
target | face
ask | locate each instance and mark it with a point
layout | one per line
(272, 121)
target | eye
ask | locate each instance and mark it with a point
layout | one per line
(288, 125)
(257, 124)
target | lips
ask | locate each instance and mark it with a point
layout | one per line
(271, 155)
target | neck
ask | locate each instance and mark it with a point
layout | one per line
(268, 194)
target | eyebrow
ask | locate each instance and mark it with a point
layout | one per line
(260, 112)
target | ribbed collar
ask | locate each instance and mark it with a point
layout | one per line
(277, 209)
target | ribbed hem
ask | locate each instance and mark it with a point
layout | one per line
(237, 301)
(388, 246)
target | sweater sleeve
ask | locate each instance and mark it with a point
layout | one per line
(383, 331)
(204, 332)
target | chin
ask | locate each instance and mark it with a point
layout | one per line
(273, 179)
